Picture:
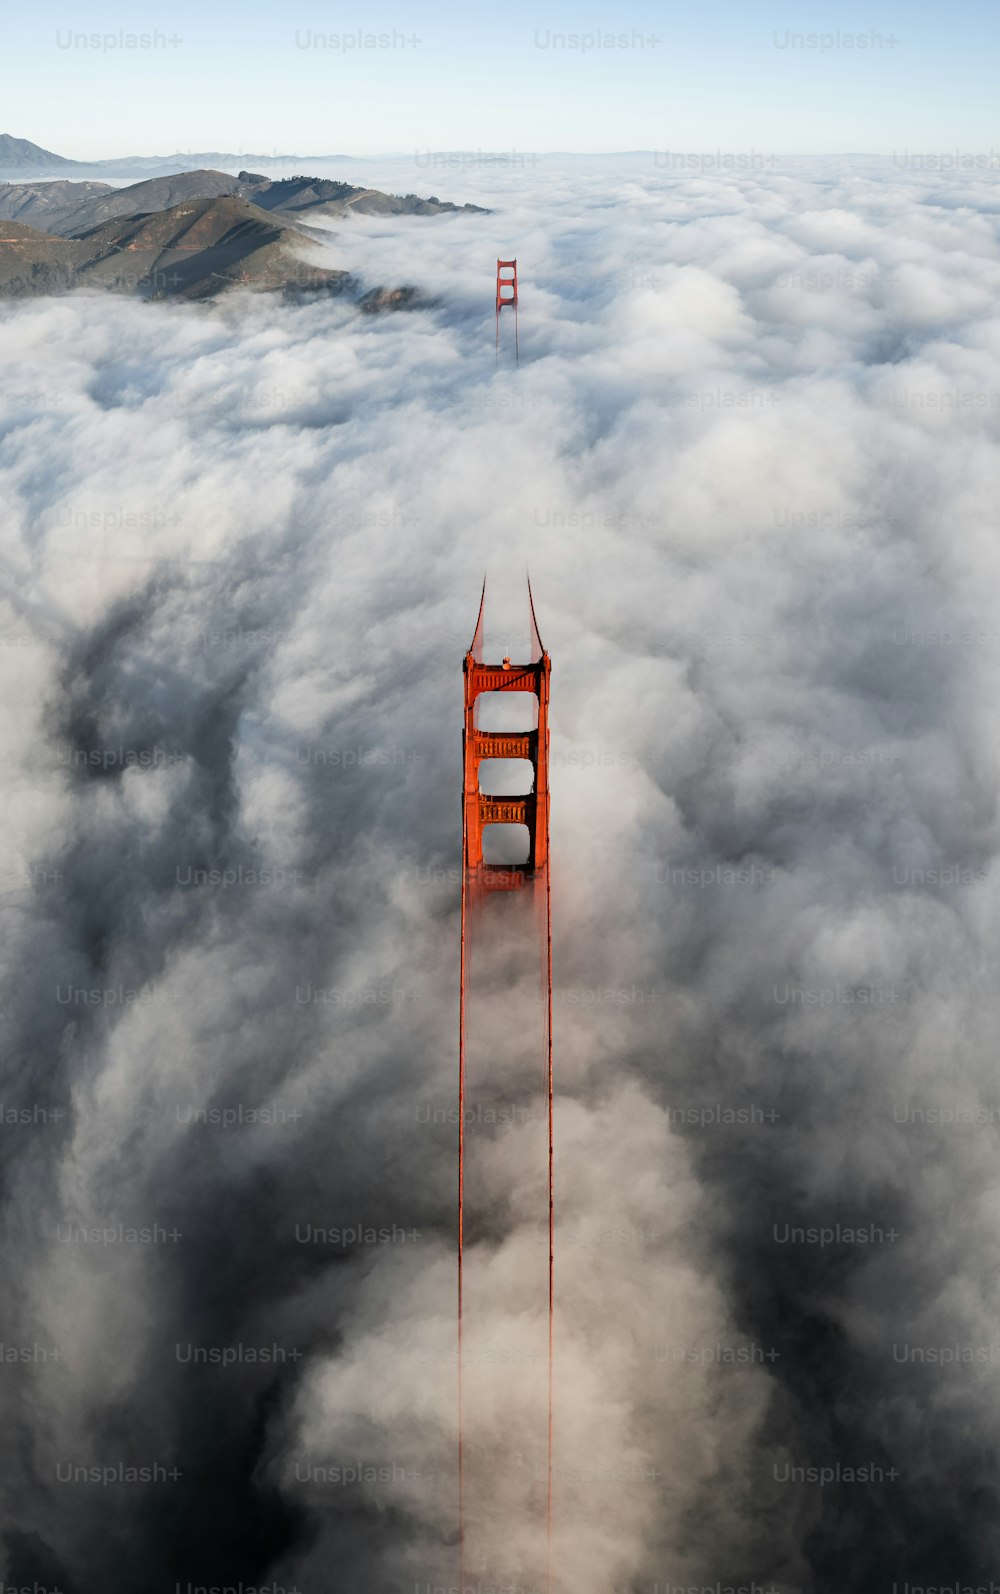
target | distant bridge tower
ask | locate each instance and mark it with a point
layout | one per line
(507, 294)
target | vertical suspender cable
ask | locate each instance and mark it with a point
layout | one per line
(549, 1081)
(461, 1206)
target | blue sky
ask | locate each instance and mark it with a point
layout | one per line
(268, 78)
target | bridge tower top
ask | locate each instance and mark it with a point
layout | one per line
(483, 808)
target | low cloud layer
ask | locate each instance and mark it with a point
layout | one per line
(750, 454)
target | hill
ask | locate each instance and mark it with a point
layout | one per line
(33, 262)
(48, 204)
(68, 208)
(323, 197)
(193, 250)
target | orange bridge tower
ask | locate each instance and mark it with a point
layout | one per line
(507, 295)
(480, 879)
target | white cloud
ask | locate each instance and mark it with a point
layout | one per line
(758, 513)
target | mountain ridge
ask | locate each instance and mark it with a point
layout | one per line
(193, 250)
(65, 207)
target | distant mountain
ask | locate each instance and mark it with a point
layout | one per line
(193, 250)
(164, 165)
(19, 157)
(69, 208)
